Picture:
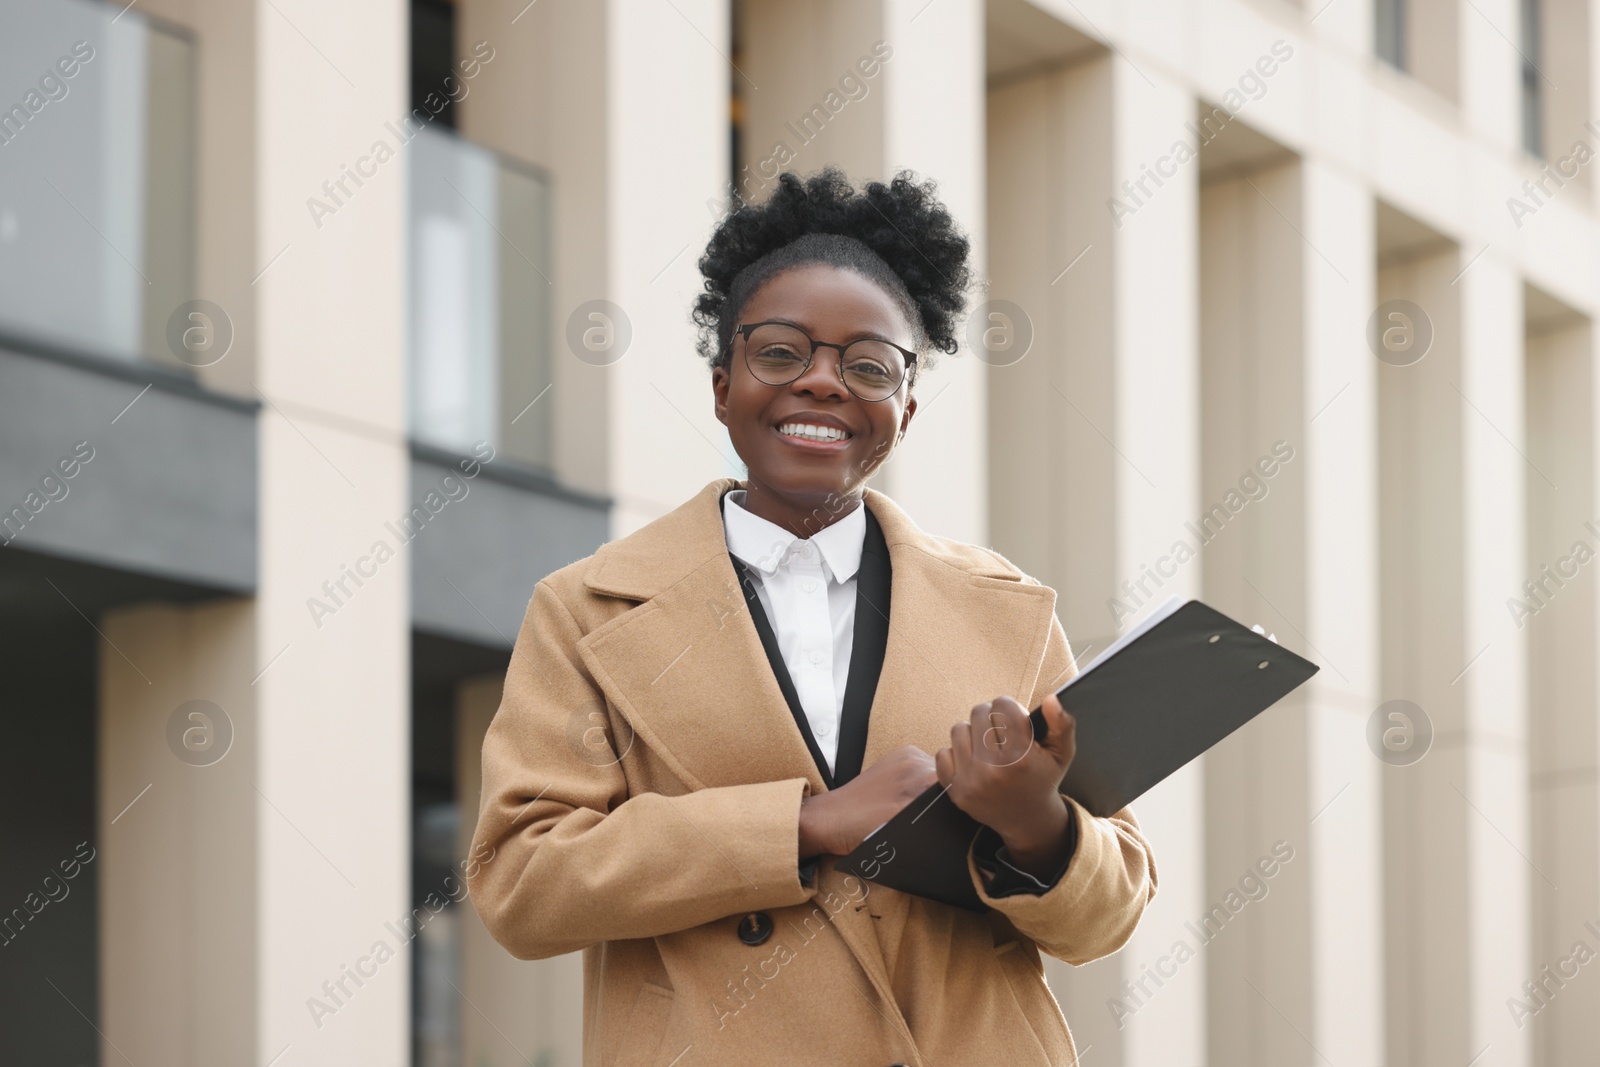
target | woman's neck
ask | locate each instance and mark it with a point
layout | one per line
(802, 518)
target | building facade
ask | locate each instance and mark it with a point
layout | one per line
(326, 330)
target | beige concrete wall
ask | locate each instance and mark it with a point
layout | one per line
(1286, 267)
(1496, 686)
(1351, 1010)
(1252, 280)
(176, 840)
(1557, 611)
(1567, 59)
(1422, 510)
(332, 768)
(1457, 832)
(793, 56)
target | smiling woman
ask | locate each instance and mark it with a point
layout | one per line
(761, 746)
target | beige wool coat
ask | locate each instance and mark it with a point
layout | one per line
(642, 781)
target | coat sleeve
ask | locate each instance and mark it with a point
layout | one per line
(1093, 909)
(563, 857)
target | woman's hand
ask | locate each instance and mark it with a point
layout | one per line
(996, 772)
(837, 821)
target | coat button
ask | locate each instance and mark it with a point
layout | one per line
(755, 928)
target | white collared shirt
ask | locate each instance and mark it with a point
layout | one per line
(806, 589)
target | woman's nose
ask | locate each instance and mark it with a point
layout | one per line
(822, 378)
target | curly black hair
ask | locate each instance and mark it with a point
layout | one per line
(898, 235)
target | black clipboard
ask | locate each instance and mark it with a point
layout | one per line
(1153, 702)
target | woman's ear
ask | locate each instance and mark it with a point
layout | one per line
(720, 380)
(905, 417)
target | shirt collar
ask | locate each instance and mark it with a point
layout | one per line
(765, 545)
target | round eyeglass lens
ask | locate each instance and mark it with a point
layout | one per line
(777, 355)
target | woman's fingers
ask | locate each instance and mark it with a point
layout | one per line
(961, 747)
(1006, 735)
(944, 766)
(1062, 740)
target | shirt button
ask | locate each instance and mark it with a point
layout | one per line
(816, 657)
(805, 551)
(824, 729)
(809, 585)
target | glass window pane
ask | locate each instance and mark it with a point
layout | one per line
(480, 300)
(454, 336)
(1388, 29)
(96, 178)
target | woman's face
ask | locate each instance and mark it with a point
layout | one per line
(791, 477)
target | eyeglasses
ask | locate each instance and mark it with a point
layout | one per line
(778, 353)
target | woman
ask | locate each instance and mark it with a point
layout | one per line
(700, 718)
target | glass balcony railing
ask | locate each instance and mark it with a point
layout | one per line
(97, 171)
(479, 330)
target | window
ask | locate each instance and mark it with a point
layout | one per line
(96, 180)
(433, 54)
(1532, 91)
(480, 299)
(1389, 32)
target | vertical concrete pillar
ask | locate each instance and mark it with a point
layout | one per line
(1252, 526)
(1340, 407)
(873, 88)
(1566, 58)
(1424, 639)
(1433, 51)
(1289, 501)
(1500, 875)
(1557, 609)
(1094, 442)
(331, 677)
(1457, 914)
(518, 1011)
(176, 842)
(1487, 74)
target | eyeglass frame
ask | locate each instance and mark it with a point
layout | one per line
(744, 330)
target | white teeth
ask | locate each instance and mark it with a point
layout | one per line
(813, 433)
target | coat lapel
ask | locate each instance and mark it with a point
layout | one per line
(687, 668)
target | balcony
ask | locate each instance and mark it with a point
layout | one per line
(97, 164)
(480, 299)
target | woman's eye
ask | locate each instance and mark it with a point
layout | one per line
(866, 368)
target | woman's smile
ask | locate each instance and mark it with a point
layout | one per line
(815, 432)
